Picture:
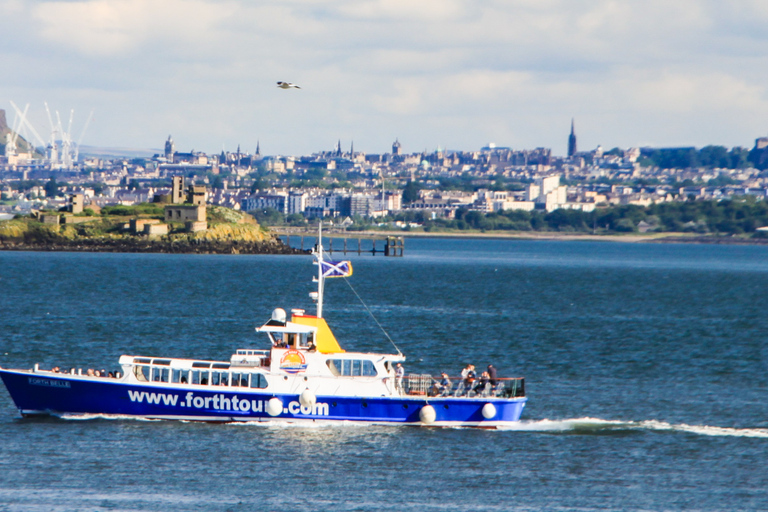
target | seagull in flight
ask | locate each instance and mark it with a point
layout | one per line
(287, 85)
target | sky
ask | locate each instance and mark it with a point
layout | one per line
(453, 74)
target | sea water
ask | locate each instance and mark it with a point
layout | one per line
(646, 369)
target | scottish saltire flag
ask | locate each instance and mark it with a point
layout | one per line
(337, 268)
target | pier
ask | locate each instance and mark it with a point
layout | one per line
(342, 242)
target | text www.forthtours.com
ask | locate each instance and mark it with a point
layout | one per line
(222, 403)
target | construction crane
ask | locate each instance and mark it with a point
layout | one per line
(62, 151)
(23, 122)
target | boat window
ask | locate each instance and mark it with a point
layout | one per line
(164, 362)
(225, 378)
(215, 378)
(176, 375)
(258, 381)
(200, 377)
(368, 369)
(141, 360)
(352, 367)
(239, 379)
(159, 374)
(224, 366)
(197, 364)
(141, 373)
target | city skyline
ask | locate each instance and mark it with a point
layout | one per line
(450, 73)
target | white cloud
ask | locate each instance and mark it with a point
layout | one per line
(454, 72)
(114, 27)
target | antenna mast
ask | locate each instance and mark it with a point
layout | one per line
(320, 277)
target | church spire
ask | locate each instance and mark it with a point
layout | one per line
(572, 149)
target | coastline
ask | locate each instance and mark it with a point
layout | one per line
(138, 245)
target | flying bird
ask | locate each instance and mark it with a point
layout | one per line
(287, 85)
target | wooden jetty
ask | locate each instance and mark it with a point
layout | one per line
(343, 242)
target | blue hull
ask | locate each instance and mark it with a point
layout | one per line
(34, 393)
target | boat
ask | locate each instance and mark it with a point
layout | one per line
(302, 376)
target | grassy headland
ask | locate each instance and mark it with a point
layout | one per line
(229, 232)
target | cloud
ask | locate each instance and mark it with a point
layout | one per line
(456, 72)
(116, 27)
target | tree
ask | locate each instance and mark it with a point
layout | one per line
(259, 184)
(411, 192)
(51, 188)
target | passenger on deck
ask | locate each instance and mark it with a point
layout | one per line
(444, 386)
(492, 375)
(482, 383)
(468, 374)
(55, 369)
(399, 374)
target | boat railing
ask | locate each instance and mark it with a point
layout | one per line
(427, 385)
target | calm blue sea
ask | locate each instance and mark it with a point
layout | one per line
(646, 369)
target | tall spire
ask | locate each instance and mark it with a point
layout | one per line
(572, 149)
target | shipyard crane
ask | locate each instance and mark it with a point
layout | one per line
(10, 148)
(53, 152)
(82, 134)
(23, 121)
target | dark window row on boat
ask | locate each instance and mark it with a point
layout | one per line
(351, 367)
(90, 372)
(199, 377)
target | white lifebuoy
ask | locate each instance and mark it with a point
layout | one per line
(307, 398)
(489, 411)
(427, 414)
(274, 407)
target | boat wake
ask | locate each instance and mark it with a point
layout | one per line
(599, 426)
(577, 426)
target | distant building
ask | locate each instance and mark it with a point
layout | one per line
(77, 202)
(263, 201)
(177, 190)
(179, 213)
(572, 148)
(170, 149)
(396, 147)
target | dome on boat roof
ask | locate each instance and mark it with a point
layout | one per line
(278, 315)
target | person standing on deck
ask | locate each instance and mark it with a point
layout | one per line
(399, 374)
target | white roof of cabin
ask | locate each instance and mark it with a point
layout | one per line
(289, 327)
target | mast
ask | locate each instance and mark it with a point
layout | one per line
(320, 278)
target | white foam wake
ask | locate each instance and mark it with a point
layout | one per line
(596, 425)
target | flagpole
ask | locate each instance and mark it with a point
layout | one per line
(320, 277)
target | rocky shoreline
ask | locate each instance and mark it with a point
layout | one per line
(138, 245)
